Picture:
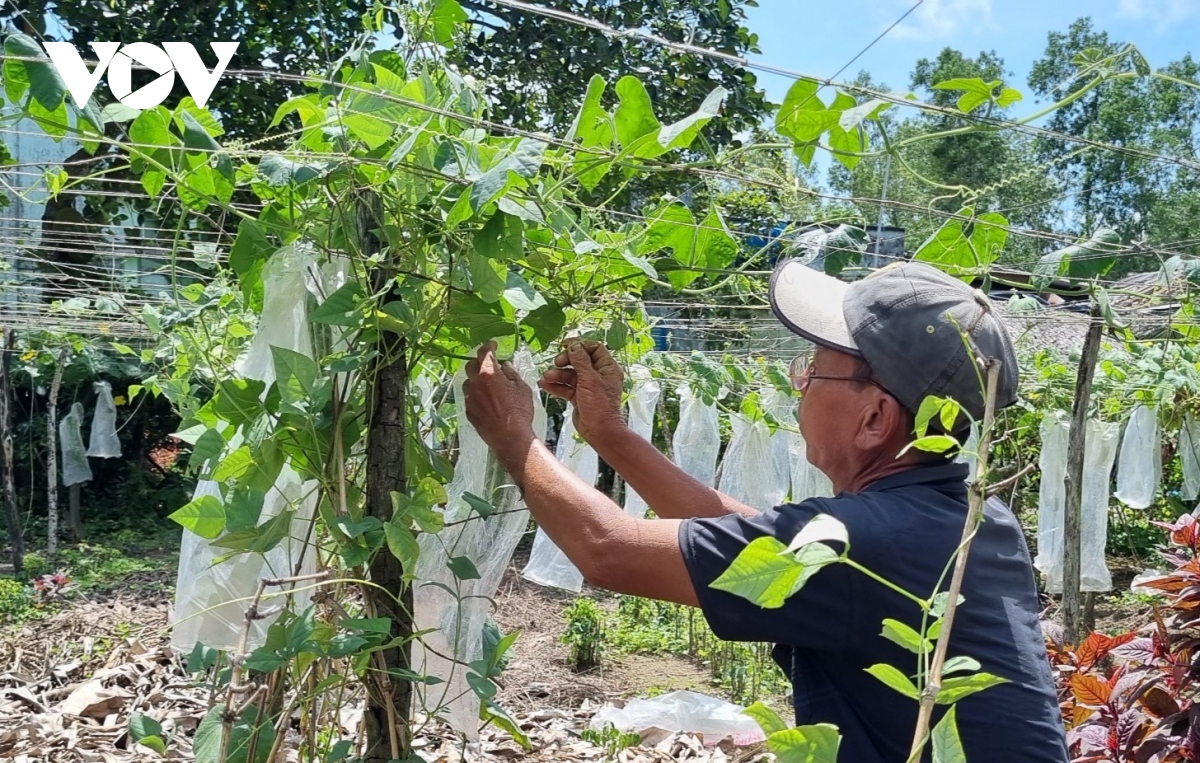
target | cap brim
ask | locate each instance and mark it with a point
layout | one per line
(809, 303)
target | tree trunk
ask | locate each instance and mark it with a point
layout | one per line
(6, 452)
(389, 697)
(1072, 521)
(52, 458)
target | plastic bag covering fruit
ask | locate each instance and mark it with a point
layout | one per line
(75, 468)
(548, 565)
(643, 402)
(750, 472)
(1139, 467)
(102, 440)
(1100, 450)
(697, 439)
(489, 544)
(210, 596)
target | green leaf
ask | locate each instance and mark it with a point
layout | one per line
(445, 19)
(495, 647)
(766, 718)
(524, 162)
(142, 726)
(762, 573)
(483, 321)
(976, 92)
(118, 113)
(238, 400)
(484, 508)
(634, 116)
(901, 634)
(205, 516)
(208, 742)
(1085, 260)
(208, 447)
(234, 466)
(947, 747)
(937, 443)
(295, 374)
(958, 664)
(45, 83)
(1008, 96)
(403, 544)
(954, 689)
(817, 743)
(594, 128)
(280, 171)
(500, 238)
(939, 603)
(949, 415)
(490, 712)
(250, 246)
(339, 307)
(803, 116)
(152, 128)
(960, 246)
(462, 568)
(544, 326)
(520, 294)
(894, 679)
(681, 134)
(930, 407)
(379, 625)
(16, 80)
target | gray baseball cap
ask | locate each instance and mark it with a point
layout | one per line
(904, 321)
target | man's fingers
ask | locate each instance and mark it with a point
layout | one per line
(581, 359)
(563, 376)
(510, 371)
(486, 358)
(561, 391)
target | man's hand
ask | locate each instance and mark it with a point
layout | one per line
(587, 375)
(499, 404)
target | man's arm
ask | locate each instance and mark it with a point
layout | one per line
(587, 375)
(669, 490)
(613, 550)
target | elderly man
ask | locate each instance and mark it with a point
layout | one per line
(882, 345)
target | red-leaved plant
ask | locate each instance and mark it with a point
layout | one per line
(1131, 697)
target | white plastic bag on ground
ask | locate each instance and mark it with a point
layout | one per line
(749, 472)
(548, 565)
(688, 711)
(643, 402)
(1140, 464)
(210, 599)
(1100, 449)
(489, 543)
(75, 468)
(1137, 585)
(102, 440)
(697, 439)
(1189, 454)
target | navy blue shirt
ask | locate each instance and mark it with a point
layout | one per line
(904, 528)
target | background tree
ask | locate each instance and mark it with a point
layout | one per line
(285, 36)
(537, 69)
(1136, 195)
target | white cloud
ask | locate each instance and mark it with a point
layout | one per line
(939, 19)
(1159, 12)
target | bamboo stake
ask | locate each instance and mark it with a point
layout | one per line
(52, 457)
(933, 685)
(1072, 604)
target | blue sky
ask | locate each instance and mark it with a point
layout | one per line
(819, 38)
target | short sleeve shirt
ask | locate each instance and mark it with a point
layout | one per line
(905, 529)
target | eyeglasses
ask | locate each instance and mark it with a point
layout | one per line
(801, 373)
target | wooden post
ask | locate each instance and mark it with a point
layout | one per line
(52, 457)
(1072, 605)
(73, 517)
(389, 696)
(15, 539)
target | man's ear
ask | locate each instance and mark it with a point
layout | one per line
(883, 421)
